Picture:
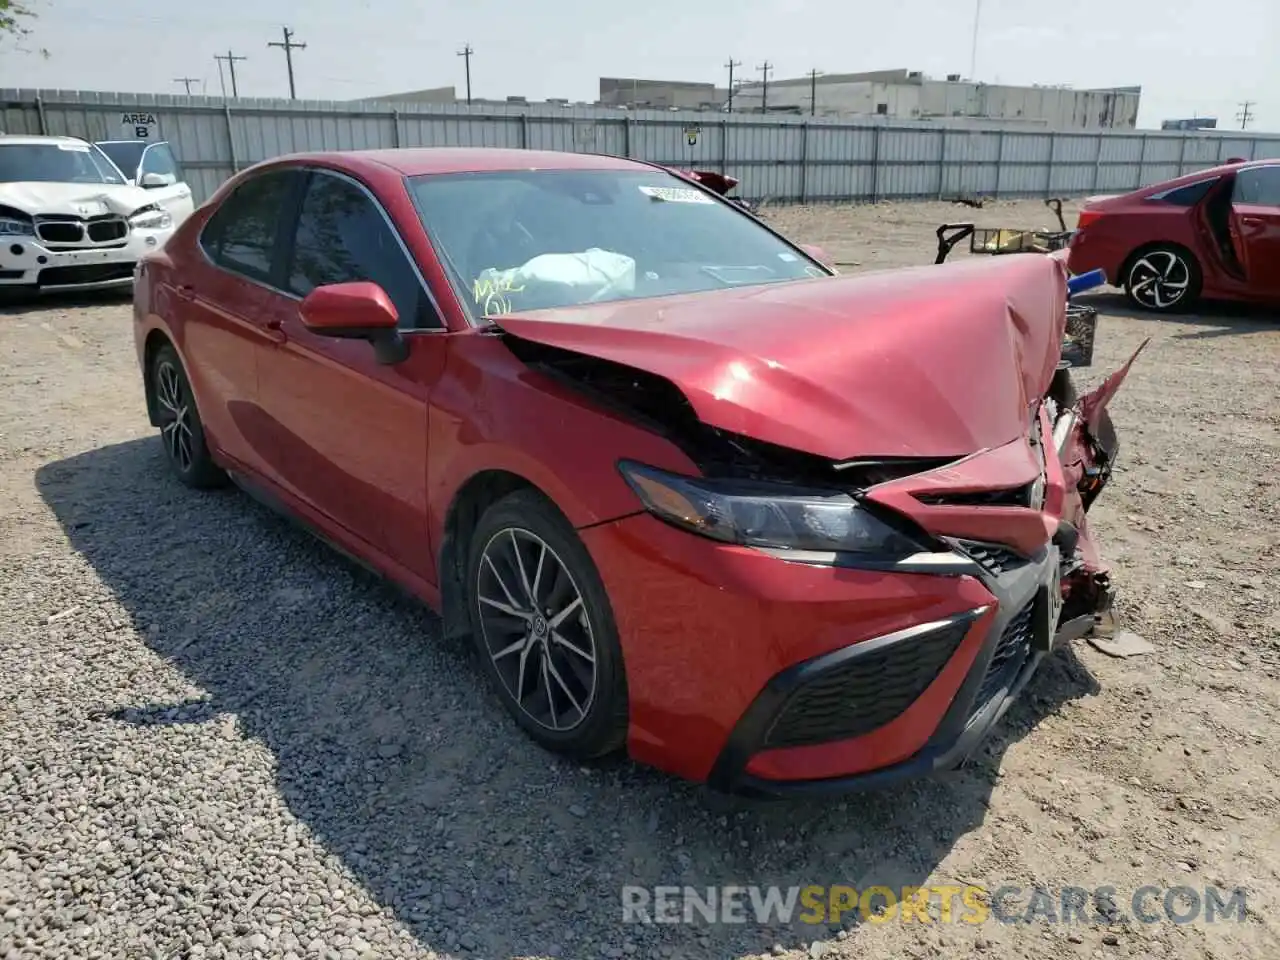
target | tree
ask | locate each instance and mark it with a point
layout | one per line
(13, 13)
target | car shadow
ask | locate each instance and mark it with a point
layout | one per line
(1210, 320)
(17, 303)
(394, 756)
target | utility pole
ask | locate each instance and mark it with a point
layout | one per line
(231, 59)
(466, 53)
(813, 91)
(765, 69)
(1244, 116)
(731, 64)
(973, 56)
(288, 46)
(186, 82)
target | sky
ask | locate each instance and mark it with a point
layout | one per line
(1191, 57)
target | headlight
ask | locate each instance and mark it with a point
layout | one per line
(10, 227)
(153, 219)
(765, 515)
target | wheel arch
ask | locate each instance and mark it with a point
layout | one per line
(480, 491)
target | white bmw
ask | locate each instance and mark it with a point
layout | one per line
(69, 220)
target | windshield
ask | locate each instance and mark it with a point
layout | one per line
(125, 154)
(55, 163)
(530, 240)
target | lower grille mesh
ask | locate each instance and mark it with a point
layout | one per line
(1010, 654)
(866, 692)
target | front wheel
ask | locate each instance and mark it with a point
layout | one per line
(1163, 279)
(544, 629)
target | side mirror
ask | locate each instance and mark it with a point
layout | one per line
(818, 254)
(360, 310)
(152, 180)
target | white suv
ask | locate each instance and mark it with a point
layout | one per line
(69, 220)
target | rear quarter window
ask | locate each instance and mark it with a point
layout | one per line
(1187, 196)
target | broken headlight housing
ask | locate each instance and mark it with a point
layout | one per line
(759, 514)
(151, 218)
(13, 227)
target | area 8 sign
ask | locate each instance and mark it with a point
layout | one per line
(138, 126)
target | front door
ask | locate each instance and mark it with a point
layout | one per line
(1255, 211)
(349, 435)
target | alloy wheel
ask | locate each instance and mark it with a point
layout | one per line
(536, 629)
(175, 412)
(1159, 279)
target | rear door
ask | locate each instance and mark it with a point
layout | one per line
(167, 183)
(1255, 212)
(349, 435)
(223, 299)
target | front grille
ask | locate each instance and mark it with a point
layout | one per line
(993, 558)
(106, 229)
(1010, 654)
(86, 273)
(65, 232)
(866, 692)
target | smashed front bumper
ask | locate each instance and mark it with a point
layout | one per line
(862, 688)
(27, 262)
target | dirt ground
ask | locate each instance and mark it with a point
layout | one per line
(219, 739)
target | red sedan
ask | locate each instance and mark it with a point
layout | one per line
(690, 493)
(1213, 234)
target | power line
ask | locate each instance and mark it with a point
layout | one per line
(731, 64)
(1244, 116)
(230, 59)
(288, 46)
(765, 69)
(466, 53)
(186, 82)
(813, 91)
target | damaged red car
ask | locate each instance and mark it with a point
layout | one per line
(690, 493)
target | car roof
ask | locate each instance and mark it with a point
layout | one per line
(32, 139)
(419, 161)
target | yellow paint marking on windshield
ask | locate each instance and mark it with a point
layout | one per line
(492, 294)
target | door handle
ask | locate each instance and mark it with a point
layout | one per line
(186, 292)
(275, 331)
(1252, 221)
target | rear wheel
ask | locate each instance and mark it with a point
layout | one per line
(544, 629)
(1162, 278)
(180, 428)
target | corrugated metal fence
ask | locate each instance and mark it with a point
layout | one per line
(788, 159)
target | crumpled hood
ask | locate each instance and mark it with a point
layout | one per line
(76, 199)
(926, 362)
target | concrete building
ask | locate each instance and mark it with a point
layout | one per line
(1193, 123)
(433, 95)
(636, 94)
(910, 95)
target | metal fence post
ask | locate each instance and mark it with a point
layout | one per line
(1097, 163)
(999, 161)
(626, 136)
(1182, 154)
(524, 131)
(804, 159)
(1053, 154)
(231, 138)
(395, 128)
(724, 146)
(1142, 163)
(875, 164)
(942, 165)
(40, 117)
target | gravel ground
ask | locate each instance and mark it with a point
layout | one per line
(219, 739)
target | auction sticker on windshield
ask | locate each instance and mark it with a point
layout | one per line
(676, 194)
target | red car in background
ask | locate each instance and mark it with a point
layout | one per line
(1212, 234)
(689, 492)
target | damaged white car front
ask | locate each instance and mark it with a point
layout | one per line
(69, 220)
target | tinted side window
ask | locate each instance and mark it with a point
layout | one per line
(1260, 185)
(160, 159)
(1189, 195)
(342, 237)
(241, 235)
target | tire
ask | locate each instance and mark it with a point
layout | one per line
(1164, 278)
(181, 431)
(573, 650)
